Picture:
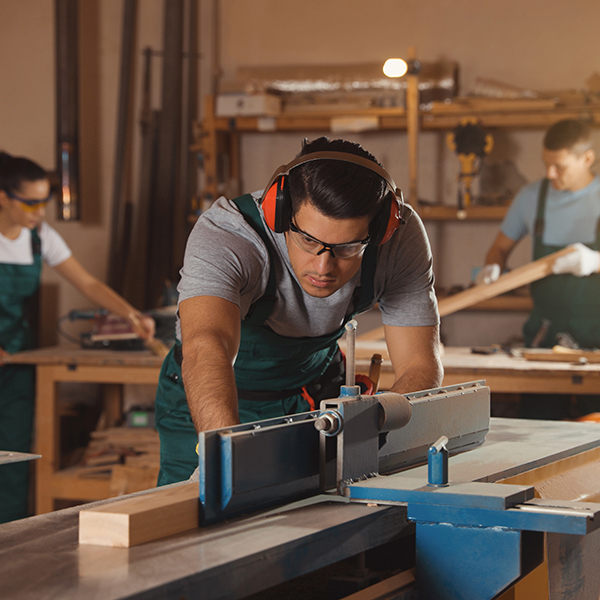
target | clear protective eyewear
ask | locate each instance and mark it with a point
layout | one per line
(28, 204)
(312, 245)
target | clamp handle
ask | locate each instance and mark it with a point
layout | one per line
(437, 463)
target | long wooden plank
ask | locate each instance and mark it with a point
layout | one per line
(560, 354)
(141, 519)
(538, 269)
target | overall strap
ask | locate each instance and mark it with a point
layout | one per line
(538, 229)
(367, 279)
(36, 242)
(261, 309)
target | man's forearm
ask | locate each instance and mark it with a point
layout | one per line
(421, 377)
(210, 387)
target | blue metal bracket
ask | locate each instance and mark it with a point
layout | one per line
(474, 539)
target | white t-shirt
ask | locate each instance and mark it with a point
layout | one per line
(19, 251)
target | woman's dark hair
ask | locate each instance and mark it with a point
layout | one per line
(14, 170)
(338, 189)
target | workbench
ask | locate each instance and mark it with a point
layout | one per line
(40, 557)
(502, 373)
(54, 365)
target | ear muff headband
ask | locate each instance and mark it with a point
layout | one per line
(276, 202)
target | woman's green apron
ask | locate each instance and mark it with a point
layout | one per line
(265, 362)
(17, 386)
(562, 304)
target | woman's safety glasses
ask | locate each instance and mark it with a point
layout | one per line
(30, 205)
(312, 245)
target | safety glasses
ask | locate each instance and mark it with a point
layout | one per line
(29, 205)
(312, 245)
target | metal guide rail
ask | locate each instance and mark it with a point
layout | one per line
(255, 465)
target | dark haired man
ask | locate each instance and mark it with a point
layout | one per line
(262, 304)
(563, 209)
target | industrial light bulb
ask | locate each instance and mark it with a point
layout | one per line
(395, 67)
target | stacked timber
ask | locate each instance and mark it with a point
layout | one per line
(128, 456)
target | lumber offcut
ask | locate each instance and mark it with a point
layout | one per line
(538, 269)
(141, 519)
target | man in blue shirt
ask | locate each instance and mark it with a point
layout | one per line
(560, 210)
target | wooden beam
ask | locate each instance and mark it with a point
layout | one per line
(538, 269)
(141, 519)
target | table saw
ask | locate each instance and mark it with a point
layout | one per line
(488, 530)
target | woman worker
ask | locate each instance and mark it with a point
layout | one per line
(25, 241)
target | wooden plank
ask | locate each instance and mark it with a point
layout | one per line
(141, 519)
(561, 354)
(538, 269)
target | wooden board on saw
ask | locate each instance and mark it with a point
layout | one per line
(538, 269)
(141, 519)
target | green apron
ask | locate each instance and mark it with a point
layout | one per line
(571, 305)
(266, 361)
(17, 384)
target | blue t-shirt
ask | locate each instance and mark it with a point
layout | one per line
(570, 216)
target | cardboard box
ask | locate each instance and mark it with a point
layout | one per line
(248, 105)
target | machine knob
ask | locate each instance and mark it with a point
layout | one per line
(329, 423)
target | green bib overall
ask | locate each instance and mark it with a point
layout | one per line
(17, 385)
(572, 305)
(266, 362)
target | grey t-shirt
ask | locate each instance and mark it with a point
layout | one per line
(226, 258)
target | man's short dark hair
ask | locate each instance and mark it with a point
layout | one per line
(569, 134)
(337, 189)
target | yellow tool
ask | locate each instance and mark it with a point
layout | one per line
(471, 143)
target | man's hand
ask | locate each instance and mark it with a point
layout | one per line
(488, 274)
(581, 261)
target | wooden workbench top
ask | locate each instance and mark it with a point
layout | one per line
(456, 359)
(65, 355)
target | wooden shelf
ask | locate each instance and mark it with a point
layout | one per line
(472, 213)
(534, 114)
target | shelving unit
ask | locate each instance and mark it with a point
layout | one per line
(221, 136)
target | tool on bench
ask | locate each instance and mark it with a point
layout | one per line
(110, 332)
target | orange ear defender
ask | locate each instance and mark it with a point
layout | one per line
(277, 204)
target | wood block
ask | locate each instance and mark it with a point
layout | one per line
(141, 519)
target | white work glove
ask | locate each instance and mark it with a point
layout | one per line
(581, 261)
(488, 274)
